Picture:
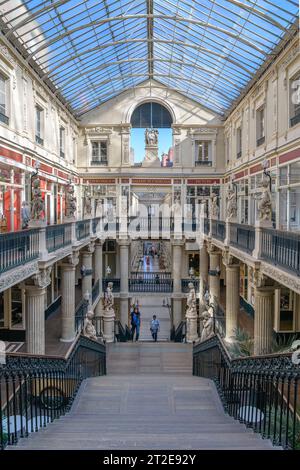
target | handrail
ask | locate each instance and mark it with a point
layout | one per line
(259, 391)
(35, 390)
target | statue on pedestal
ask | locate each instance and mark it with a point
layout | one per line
(151, 136)
(37, 204)
(231, 208)
(109, 314)
(214, 209)
(191, 315)
(265, 202)
(70, 202)
(88, 328)
(87, 204)
(208, 324)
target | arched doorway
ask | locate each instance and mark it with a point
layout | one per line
(151, 134)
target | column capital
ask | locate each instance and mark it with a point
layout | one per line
(99, 243)
(33, 290)
(72, 260)
(213, 249)
(39, 280)
(89, 249)
(229, 261)
(259, 279)
(177, 242)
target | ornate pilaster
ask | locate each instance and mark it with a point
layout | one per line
(264, 317)
(98, 273)
(176, 275)
(124, 266)
(214, 272)
(203, 276)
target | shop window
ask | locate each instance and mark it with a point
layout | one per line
(283, 176)
(99, 153)
(194, 263)
(3, 100)
(294, 173)
(260, 126)
(284, 308)
(239, 142)
(295, 100)
(62, 142)
(203, 153)
(16, 308)
(39, 124)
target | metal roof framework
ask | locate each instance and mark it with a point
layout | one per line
(91, 51)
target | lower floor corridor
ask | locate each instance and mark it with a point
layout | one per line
(149, 399)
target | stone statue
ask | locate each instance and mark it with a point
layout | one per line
(265, 201)
(214, 209)
(70, 201)
(231, 208)
(109, 298)
(208, 325)
(109, 314)
(151, 136)
(88, 328)
(37, 204)
(88, 204)
(191, 299)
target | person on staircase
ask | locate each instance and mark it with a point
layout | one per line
(154, 327)
(135, 323)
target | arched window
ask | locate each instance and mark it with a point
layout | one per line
(152, 115)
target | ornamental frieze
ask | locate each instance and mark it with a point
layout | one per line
(288, 280)
(17, 275)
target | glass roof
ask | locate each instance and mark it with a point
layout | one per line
(93, 50)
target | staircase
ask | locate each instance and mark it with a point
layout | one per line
(150, 305)
(148, 400)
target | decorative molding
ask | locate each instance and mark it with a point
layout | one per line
(7, 56)
(290, 56)
(73, 259)
(43, 277)
(97, 130)
(203, 130)
(288, 280)
(17, 275)
(39, 90)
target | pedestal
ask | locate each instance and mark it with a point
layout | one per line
(151, 156)
(191, 326)
(109, 320)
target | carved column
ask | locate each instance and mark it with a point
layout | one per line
(87, 274)
(124, 268)
(232, 294)
(264, 315)
(35, 311)
(214, 272)
(176, 275)
(68, 270)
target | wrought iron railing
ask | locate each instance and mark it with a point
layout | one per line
(185, 284)
(82, 229)
(36, 390)
(178, 334)
(203, 163)
(18, 248)
(281, 249)
(116, 284)
(218, 229)
(242, 236)
(295, 120)
(150, 282)
(58, 236)
(52, 308)
(95, 291)
(95, 223)
(206, 226)
(262, 392)
(122, 334)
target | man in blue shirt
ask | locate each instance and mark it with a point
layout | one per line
(154, 327)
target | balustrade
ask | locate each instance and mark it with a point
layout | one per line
(218, 229)
(242, 236)
(281, 249)
(82, 229)
(18, 248)
(150, 282)
(58, 236)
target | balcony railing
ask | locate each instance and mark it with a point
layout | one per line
(18, 248)
(218, 229)
(150, 282)
(99, 162)
(206, 226)
(80, 314)
(39, 140)
(58, 236)
(295, 120)
(203, 163)
(82, 229)
(116, 284)
(260, 141)
(185, 285)
(242, 237)
(281, 249)
(4, 119)
(95, 223)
